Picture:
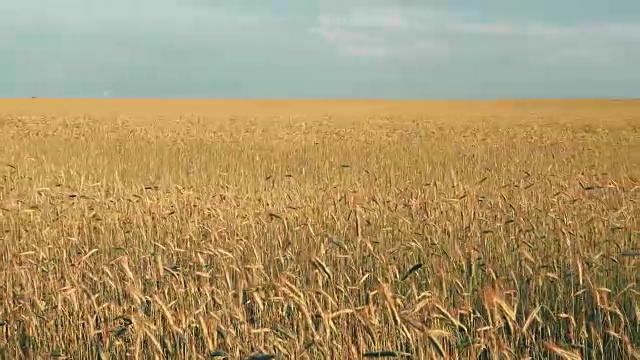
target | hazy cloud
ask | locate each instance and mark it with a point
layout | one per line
(329, 48)
(402, 30)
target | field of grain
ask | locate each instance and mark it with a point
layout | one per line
(319, 230)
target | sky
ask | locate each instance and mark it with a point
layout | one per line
(456, 49)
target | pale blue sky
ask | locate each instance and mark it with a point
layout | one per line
(456, 49)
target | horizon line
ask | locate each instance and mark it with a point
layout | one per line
(318, 99)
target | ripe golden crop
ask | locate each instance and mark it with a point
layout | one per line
(319, 229)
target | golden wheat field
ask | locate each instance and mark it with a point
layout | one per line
(150, 229)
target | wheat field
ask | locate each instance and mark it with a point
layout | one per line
(193, 229)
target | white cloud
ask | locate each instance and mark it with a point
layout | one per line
(629, 31)
(367, 51)
(338, 35)
(127, 17)
(370, 32)
(387, 20)
(470, 27)
(430, 33)
(612, 30)
(352, 42)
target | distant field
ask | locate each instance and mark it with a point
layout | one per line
(319, 229)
